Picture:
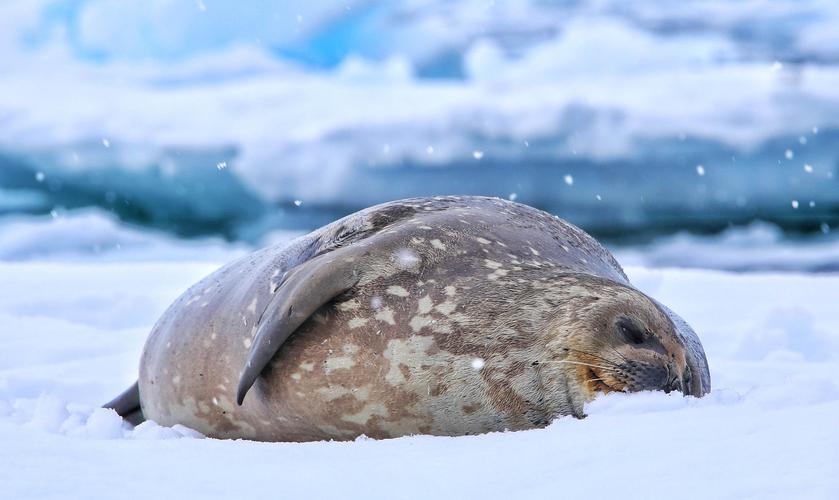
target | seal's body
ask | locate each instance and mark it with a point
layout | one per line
(445, 316)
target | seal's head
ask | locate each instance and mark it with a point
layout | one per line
(614, 338)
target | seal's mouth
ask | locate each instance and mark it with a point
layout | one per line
(597, 383)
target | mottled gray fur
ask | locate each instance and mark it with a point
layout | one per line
(463, 315)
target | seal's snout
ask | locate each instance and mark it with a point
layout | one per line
(689, 385)
(682, 382)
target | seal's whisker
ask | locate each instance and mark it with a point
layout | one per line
(564, 361)
(593, 356)
(604, 344)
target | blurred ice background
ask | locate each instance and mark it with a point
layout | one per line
(691, 133)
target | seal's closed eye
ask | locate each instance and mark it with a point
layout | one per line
(630, 330)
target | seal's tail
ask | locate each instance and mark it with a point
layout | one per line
(127, 405)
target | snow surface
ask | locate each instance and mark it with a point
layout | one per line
(71, 334)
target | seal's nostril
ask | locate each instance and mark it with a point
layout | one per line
(677, 385)
(687, 380)
(672, 381)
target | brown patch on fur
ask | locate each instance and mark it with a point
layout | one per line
(470, 409)
(437, 389)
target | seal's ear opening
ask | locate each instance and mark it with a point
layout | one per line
(698, 381)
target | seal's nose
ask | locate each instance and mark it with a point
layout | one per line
(674, 381)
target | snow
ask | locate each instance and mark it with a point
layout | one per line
(71, 333)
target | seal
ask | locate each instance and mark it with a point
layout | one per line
(443, 316)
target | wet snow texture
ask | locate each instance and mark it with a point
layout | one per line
(71, 335)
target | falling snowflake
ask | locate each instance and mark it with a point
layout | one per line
(794, 204)
(39, 176)
(297, 203)
(777, 66)
(221, 165)
(700, 170)
(808, 168)
(825, 228)
(788, 154)
(569, 180)
(512, 196)
(802, 140)
(429, 150)
(376, 302)
(406, 258)
(599, 198)
(106, 143)
(477, 363)
(477, 154)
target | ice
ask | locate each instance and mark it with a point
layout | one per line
(94, 234)
(759, 245)
(283, 93)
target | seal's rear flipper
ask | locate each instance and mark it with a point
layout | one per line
(307, 287)
(127, 405)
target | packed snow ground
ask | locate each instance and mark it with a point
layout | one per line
(71, 335)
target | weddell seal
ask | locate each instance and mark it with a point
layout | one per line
(445, 316)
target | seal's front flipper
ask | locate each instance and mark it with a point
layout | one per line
(127, 405)
(306, 288)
